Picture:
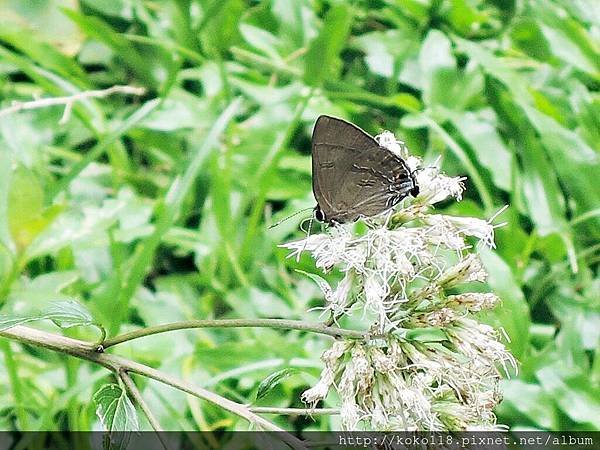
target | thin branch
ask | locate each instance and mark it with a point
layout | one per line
(137, 396)
(295, 411)
(68, 101)
(237, 323)
(117, 364)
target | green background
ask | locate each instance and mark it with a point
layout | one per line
(154, 209)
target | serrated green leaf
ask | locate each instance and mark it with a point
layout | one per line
(67, 314)
(269, 383)
(117, 414)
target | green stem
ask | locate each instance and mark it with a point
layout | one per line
(71, 366)
(262, 63)
(137, 396)
(102, 330)
(237, 323)
(15, 270)
(295, 411)
(15, 384)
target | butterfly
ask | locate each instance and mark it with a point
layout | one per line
(352, 175)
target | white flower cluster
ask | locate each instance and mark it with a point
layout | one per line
(430, 365)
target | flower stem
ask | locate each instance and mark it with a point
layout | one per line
(295, 411)
(236, 323)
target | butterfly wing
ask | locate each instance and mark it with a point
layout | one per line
(335, 144)
(375, 181)
(352, 175)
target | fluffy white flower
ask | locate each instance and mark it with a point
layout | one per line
(399, 270)
(389, 141)
(339, 299)
(471, 226)
(436, 187)
(441, 233)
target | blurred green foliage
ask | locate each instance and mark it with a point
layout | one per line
(155, 209)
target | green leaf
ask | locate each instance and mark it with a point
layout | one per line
(568, 39)
(117, 414)
(464, 17)
(323, 52)
(269, 383)
(429, 334)
(44, 54)
(67, 314)
(532, 401)
(574, 161)
(574, 393)
(25, 204)
(100, 30)
(387, 50)
(543, 196)
(221, 22)
(435, 56)
(321, 282)
(527, 35)
(487, 145)
(7, 322)
(261, 40)
(513, 312)
(297, 21)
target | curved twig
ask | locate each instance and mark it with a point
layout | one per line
(117, 364)
(236, 323)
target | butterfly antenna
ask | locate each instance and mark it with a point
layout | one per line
(310, 222)
(279, 222)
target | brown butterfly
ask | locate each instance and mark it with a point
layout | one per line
(352, 175)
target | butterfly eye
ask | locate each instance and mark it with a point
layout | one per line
(319, 214)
